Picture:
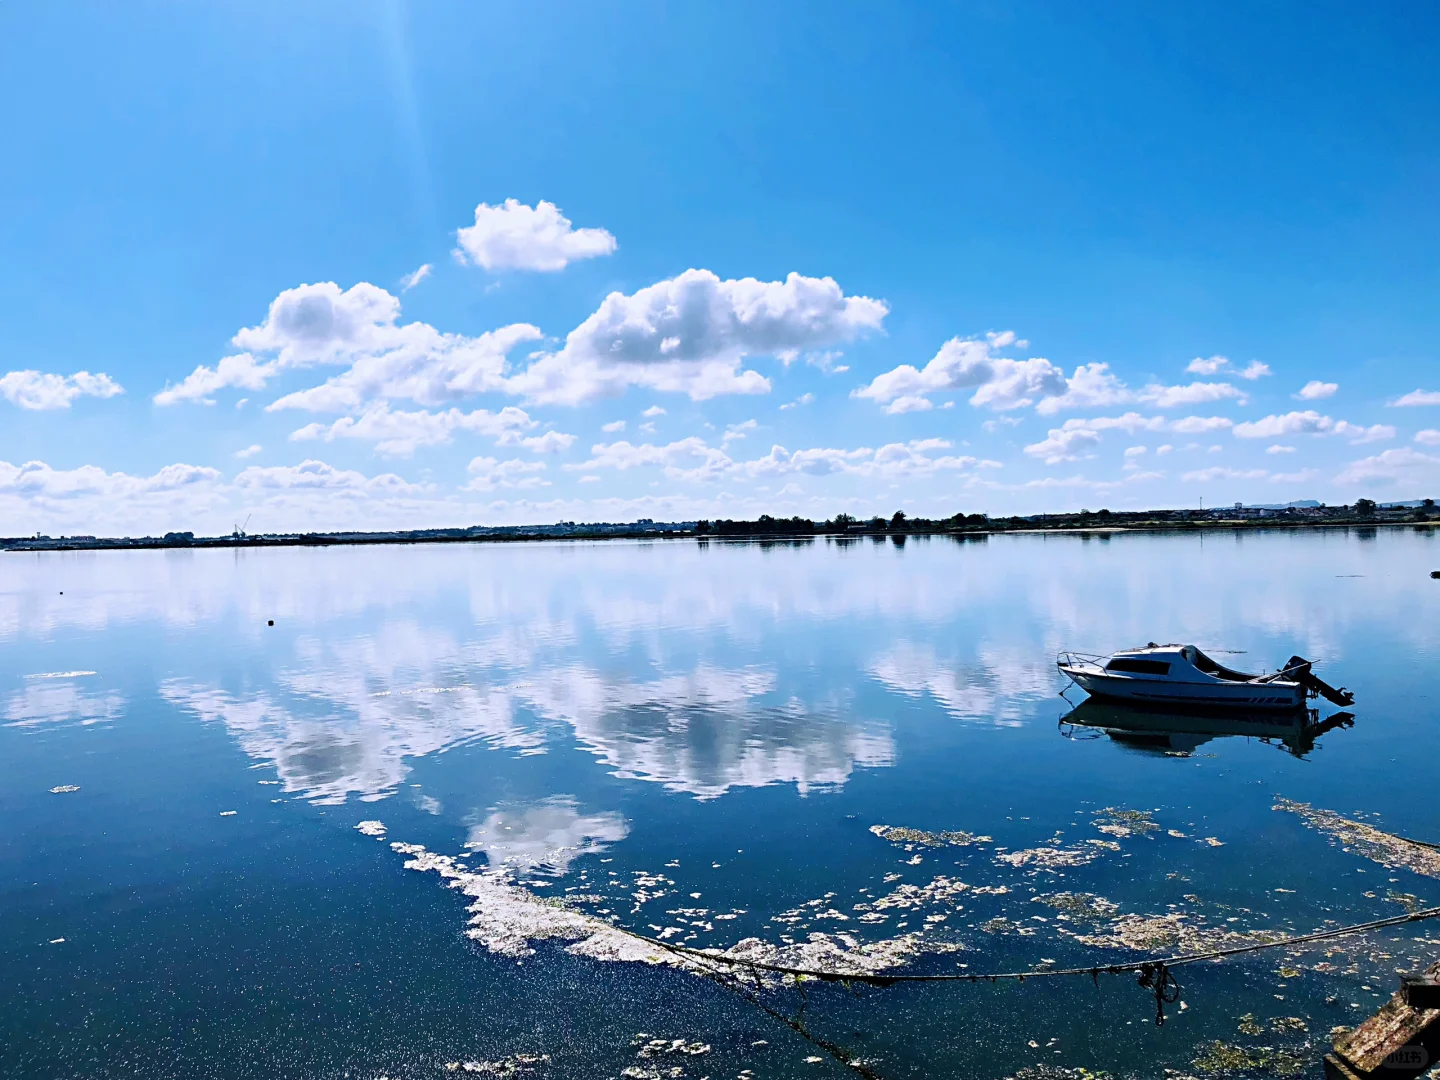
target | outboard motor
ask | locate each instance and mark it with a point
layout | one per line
(1298, 668)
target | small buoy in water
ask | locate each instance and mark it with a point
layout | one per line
(270, 623)
(1435, 573)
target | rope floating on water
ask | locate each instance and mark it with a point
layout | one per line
(1154, 973)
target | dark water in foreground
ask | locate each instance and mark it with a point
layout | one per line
(694, 741)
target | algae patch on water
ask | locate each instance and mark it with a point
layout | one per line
(898, 834)
(1365, 840)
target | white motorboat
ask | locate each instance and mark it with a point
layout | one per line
(1182, 675)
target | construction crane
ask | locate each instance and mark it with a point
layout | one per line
(240, 533)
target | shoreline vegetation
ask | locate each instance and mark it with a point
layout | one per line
(1364, 513)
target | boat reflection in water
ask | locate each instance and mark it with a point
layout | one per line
(1180, 732)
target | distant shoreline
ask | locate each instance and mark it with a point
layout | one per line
(1061, 525)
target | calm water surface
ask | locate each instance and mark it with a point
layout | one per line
(695, 741)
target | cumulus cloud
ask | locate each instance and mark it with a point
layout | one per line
(800, 402)
(693, 459)
(357, 328)
(1315, 390)
(514, 236)
(1279, 449)
(552, 442)
(242, 371)
(41, 390)
(36, 479)
(1418, 397)
(1311, 422)
(1199, 425)
(1002, 383)
(692, 334)
(690, 458)
(652, 412)
(968, 364)
(1428, 437)
(1400, 465)
(1072, 439)
(612, 427)
(249, 451)
(316, 476)
(417, 363)
(1214, 365)
(397, 433)
(487, 474)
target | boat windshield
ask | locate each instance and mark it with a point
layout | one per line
(1210, 667)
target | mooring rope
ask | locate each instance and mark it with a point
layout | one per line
(1154, 973)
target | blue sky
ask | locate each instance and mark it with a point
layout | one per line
(994, 257)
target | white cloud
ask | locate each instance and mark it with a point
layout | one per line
(1091, 387)
(1400, 465)
(416, 363)
(1216, 364)
(652, 412)
(39, 390)
(686, 458)
(1278, 449)
(1418, 397)
(826, 361)
(398, 433)
(552, 442)
(37, 480)
(1196, 393)
(1311, 422)
(316, 476)
(487, 474)
(1198, 425)
(514, 236)
(249, 451)
(415, 277)
(1428, 437)
(1220, 472)
(737, 431)
(965, 364)
(1135, 451)
(691, 335)
(612, 427)
(802, 400)
(1314, 390)
(241, 370)
(1165, 449)
(1213, 366)
(1074, 437)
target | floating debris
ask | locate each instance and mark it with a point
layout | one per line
(64, 789)
(1086, 906)
(650, 1048)
(1048, 858)
(1367, 841)
(1123, 823)
(228, 813)
(898, 834)
(371, 828)
(515, 1065)
(1175, 931)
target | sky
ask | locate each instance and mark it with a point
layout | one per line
(367, 264)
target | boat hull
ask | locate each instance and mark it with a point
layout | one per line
(1143, 691)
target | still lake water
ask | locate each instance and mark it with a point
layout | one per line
(697, 741)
